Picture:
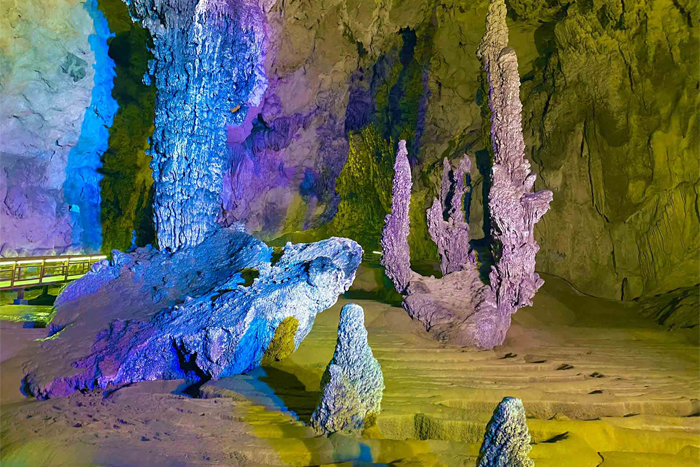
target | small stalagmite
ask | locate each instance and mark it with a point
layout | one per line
(352, 384)
(507, 439)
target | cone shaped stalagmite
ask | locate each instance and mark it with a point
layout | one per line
(353, 383)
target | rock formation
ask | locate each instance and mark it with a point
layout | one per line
(452, 235)
(202, 312)
(458, 306)
(507, 439)
(610, 122)
(396, 257)
(353, 383)
(207, 66)
(513, 206)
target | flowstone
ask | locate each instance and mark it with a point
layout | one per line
(190, 314)
(353, 383)
(507, 439)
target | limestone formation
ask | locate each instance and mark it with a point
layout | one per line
(610, 122)
(507, 439)
(191, 314)
(452, 235)
(459, 307)
(513, 206)
(353, 383)
(207, 66)
(395, 254)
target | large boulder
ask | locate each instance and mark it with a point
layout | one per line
(203, 312)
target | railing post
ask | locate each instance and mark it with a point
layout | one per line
(41, 273)
(66, 266)
(20, 298)
(12, 279)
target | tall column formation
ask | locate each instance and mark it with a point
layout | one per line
(396, 257)
(514, 208)
(458, 306)
(208, 69)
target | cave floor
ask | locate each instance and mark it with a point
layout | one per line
(601, 386)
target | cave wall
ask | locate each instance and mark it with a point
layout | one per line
(55, 108)
(610, 96)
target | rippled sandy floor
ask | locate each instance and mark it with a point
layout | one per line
(602, 387)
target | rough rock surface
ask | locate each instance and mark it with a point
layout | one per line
(55, 107)
(514, 208)
(451, 236)
(460, 307)
(207, 66)
(396, 257)
(610, 123)
(630, 205)
(192, 314)
(507, 439)
(352, 384)
(677, 309)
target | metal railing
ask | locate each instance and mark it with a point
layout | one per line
(19, 273)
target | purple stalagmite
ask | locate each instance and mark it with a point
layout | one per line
(514, 208)
(452, 235)
(395, 254)
(459, 307)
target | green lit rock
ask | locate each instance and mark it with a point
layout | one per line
(283, 343)
(352, 384)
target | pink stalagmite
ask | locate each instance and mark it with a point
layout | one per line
(452, 235)
(514, 207)
(459, 307)
(396, 257)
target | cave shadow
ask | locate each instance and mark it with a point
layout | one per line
(286, 391)
(483, 246)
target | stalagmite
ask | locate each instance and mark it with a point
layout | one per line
(353, 383)
(459, 307)
(452, 235)
(394, 242)
(208, 71)
(513, 206)
(507, 439)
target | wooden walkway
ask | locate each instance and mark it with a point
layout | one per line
(20, 273)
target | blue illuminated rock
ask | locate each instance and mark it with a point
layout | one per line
(208, 69)
(203, 312)
(353, 383)
(507, 440)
